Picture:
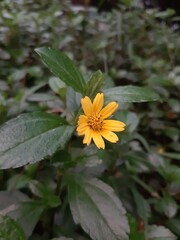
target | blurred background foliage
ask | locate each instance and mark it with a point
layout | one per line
(131, 43)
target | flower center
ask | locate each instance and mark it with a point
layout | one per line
(95, 122)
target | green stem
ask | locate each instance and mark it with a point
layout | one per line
(146, 187)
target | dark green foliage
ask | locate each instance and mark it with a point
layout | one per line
(78, 192)
(10, 229)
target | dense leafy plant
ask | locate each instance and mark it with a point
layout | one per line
(32, 137)
(129, 190)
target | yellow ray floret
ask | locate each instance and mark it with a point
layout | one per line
(93, 124)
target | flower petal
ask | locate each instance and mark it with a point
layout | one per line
(87, 105)
(82, 127)
(81, 131)
(88, 136)
(109, 109)
(110, 136)
(98, 140)
(114, 125)
(98, 103)
(82, 119)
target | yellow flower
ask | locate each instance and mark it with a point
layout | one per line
(93, 124)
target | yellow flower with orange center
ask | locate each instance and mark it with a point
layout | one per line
(93, 124)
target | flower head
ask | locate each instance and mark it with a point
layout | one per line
(93, 124)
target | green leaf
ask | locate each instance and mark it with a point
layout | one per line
(170, 172)
(44, 192)
(171, 155)
(31, 137)
(2, 101)
(165, 14)
(95, 206)
(17, 205)
(63, 67)
(94, 84)
(130, 94)
(73, 100)
(167, 205)
(134, 233)
(141, 205)
(41, 97)
(130, 118)
(18, 181)
(17, 75)
(10, 230)
(58, 86)
(28, 214)
(155, 232)
(3, 110)
(9, 200)
(174, 224)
